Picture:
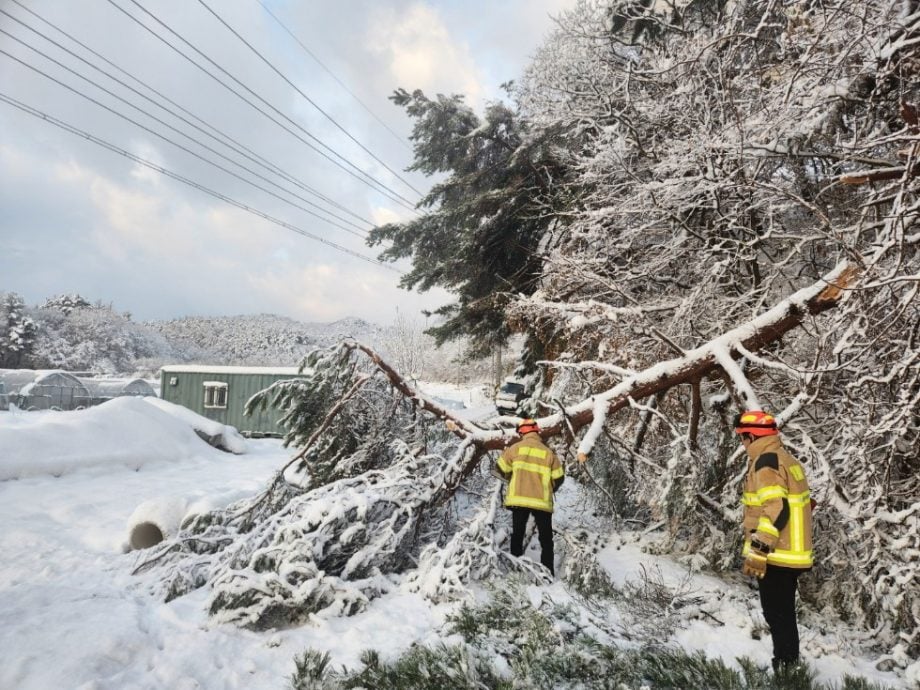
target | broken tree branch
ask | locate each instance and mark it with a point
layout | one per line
(695, 364)
(692, 366)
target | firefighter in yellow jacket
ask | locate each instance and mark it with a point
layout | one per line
(777, 528)
(534, 473)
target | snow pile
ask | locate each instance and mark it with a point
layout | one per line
(127, 432)
(474, 403)
(217, 434)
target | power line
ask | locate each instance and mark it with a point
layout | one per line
(252, 155)
(165, 124)
(191, 183)
(332, 74)
(165, 138)
(366, 179)
(356, 171)
(306, 97)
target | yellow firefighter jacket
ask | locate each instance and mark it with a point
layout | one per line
(777, 505)
(534, 472)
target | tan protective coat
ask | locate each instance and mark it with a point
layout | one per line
(532, 468)
(777, 504)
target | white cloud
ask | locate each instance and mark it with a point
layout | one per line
(382, 215)
(420, 52)
(213, 248)
(325, 292)
(142, 172)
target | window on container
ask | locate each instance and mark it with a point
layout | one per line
(215, 394)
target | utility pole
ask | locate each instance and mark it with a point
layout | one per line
(497, 363)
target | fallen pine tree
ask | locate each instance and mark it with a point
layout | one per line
(362, 499)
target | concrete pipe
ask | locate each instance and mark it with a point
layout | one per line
(155, 520)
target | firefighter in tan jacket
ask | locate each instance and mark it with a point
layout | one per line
(534, 473)
(777, 528)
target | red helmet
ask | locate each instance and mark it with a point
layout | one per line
(756, 423)
(525, 426)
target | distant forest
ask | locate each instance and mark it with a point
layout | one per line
(69, 332)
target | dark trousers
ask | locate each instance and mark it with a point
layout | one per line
(777, 597)
(544, 522)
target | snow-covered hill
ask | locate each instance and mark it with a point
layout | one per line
(261, 339)
(68, 332)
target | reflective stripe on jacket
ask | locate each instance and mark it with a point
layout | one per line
(777, 504)
(533, 469)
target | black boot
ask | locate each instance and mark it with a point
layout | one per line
(791, 673)
(784, 664)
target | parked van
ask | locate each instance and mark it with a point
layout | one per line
(510, 396)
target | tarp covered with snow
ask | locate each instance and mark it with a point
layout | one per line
(126, 431)
(219, 435)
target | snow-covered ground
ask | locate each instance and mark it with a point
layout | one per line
(470, 402)
(73, 616)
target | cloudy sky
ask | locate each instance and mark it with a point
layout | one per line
(77, 217)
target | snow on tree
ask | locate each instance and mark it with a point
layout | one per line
(362, 498)
(482, 226)
(693, 208)
(69, 332)
(740, 151)
(358, 503)
(407, 346)
(66, 303)
(17, 333)
(73, 335)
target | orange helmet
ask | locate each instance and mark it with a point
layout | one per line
(525, 426)
(756, 423)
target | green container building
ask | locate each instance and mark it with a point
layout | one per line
(220, 393)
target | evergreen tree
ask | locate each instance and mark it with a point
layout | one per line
(483, 224)
(66, 303)
(17, 333)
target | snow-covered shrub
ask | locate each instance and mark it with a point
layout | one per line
(582, 571)
(509, 643)
(310, 668)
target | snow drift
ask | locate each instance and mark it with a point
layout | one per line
(129, 432)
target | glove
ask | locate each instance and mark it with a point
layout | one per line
(755, 563)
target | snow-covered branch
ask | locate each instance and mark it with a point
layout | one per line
(701, 361)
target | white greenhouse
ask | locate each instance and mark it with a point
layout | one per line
(30, 389)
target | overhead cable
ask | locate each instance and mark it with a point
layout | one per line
(355, 171)
(306, 97)
(170, 141)
(332, 74)
(184, 180)
(165, 124)
(234, 144)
